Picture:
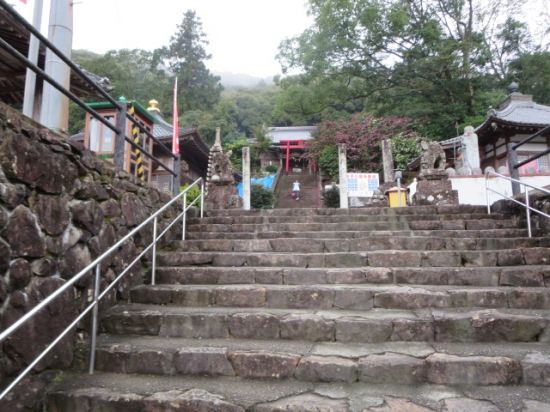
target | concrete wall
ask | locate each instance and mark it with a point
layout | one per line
(60, 208)
(471, 189)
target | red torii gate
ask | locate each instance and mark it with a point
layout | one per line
(286, 144)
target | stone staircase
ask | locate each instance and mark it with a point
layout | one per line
(410, 309)
(309, 191)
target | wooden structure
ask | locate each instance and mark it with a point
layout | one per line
(101, 139)
(517, 118)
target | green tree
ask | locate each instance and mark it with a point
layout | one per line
(185, 56)
(430, 60)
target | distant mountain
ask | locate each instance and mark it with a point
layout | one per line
(240, 79)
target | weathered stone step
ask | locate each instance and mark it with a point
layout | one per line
(304, 245)
(260, 220)
(325, 362)
(484, 224)
(460, 276)
(487, 233)
(417, 210)
(345, 297)
(384, 258)
(133, 393)
(377, 325)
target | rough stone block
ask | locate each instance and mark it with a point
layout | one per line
(304, 403)
(467, 405)
(326, 369)
(263, 364)
(354, 299)
(446, 369)
(411, 298)
(149, 362)
(537, 256)
(413, 330)
(487, 298)
(193, 400)
(307, 327)
(199, 297)
(305, 297)
(536, 369)
(394, 259)
(203, 361)
(345, 260)
(132, 323)
(355, 329)
(242, 296)
(529, 299)
(392, 368)
(521, 277)
(254, 326)
(195, 326)
(304, 276)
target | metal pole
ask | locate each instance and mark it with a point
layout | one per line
(176, 178)
(120, 138)
(94, 318)
(154, 263)
(528, 211)
(184, 216)
(202, 198)
(399, 192)
(34, 47)
(54, 112)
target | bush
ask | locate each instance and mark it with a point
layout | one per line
(260, 197)
(331, 197)
(192, 194)
(271, 168)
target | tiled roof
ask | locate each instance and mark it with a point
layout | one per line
(523, 112)
(279, 134)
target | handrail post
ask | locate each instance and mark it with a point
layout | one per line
(528, 211)
(514, 172)
(154, 262)
(184, 216)
(94, 318)
(120, 142)
(202, 198)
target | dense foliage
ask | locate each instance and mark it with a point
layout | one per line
(331, 197)
(361, 135)
(261, 197)
(442, 62)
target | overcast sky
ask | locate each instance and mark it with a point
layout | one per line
(243, 34)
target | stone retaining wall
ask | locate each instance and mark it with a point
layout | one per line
(60, 208)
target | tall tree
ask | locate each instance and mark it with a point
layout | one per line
(419, 58)
(185, 56)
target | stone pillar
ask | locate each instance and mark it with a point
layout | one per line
(387, 159)
(343, 169)
(246, 178)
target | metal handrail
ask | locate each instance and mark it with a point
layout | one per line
(528, 208)
(39, 72)
(94, 306)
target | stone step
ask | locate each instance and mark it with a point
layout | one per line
(461, 276)
(417, 210)
(232, 220)
(133, 393)
(484, 224)
(304, 245)
(383, 258)
(395, 363)
(376, 325)
(487, 233)
(344, 297)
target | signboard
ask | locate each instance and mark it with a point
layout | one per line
(362, 184)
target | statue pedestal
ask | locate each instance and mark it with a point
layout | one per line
(435, 189)
(435, 192)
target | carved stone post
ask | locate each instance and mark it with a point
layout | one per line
(343, 169)
(246, 178)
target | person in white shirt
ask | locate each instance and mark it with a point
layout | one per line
(296, 189)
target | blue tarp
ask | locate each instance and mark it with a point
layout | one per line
(267, 182)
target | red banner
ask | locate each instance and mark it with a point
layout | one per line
(175, 122)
